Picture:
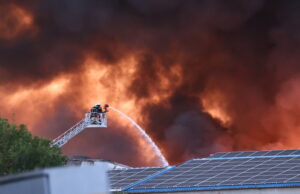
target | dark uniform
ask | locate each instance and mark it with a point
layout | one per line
(99, 109)
(94, 111)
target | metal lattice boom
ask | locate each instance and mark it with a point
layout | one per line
(91, 120)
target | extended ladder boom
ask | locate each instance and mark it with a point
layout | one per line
(91, 120)
(69, 134)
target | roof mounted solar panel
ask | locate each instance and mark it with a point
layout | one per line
(122, 178)
(239, 170)
(256, 153)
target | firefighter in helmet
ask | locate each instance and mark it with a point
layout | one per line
(99, 108)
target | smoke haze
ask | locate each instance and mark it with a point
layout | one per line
(201, 76)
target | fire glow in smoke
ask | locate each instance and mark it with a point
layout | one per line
(200, 76)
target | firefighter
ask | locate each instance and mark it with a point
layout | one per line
(94, 111)
(99, 108)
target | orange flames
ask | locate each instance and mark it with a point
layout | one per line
(260, 127)
(214, 105)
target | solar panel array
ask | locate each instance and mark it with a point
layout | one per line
(255, 153)
(226, 171)
(124, 177)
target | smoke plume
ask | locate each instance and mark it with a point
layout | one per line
(200, 76)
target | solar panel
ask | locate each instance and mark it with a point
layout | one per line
(220, 170)
(122, 178)
(255, 153)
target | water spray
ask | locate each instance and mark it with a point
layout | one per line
(146, 137)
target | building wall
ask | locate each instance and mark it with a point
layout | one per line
(245, 191)
(29, 185)
(59, 180)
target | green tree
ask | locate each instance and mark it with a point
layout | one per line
(20, 151)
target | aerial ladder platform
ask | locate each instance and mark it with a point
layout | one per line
(97, 118)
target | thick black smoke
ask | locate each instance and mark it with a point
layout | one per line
(243, 50)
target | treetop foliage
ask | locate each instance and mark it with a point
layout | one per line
(20, 151)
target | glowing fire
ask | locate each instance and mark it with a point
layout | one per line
(214, 105)
(28, 103)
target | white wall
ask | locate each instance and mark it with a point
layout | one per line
(62, 180)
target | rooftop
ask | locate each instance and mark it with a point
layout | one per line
(228, 170)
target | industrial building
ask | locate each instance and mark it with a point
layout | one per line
(262, 172)
(87, 161)
(252, 172)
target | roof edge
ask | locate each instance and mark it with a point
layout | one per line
(247, 157)
(229, 187)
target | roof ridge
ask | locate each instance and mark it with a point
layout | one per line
(245, 157)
